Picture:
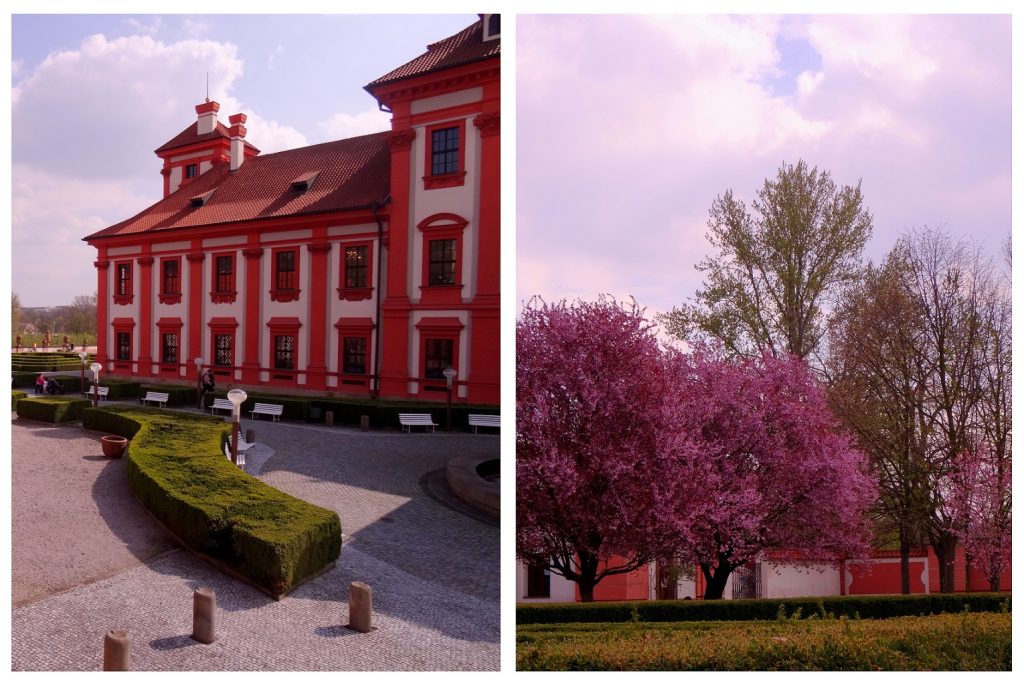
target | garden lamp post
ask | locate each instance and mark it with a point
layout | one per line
(449, 376)
(236, 397)
(83, 355)
(199, 383)
(95, 366)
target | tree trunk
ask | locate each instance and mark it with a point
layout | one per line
(904, 562)
(967, 574)
(945, 552)
(715, 580)
(588, 576)
(993, 583)
(586, 590)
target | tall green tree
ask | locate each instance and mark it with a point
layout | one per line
(778, 266)
(15, 312)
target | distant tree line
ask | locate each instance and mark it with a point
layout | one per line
(75, 319)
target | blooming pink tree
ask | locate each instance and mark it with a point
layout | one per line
(774, 470)
(978, 490)
(596, 476)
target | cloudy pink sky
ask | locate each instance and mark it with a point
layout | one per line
(630, 126)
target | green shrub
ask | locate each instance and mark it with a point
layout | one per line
(177, 395)
(120, 390)
(868, 607)
(15, 396)
(177, 469)
(56, 409)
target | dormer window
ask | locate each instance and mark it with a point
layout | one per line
(200, 199)
(303, 183)
(492, 26)
(191, 170)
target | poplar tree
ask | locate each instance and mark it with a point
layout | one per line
(778, 266)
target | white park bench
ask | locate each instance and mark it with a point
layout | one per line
(219, 403)
(102, 391)
(274, 410)
(410, 420)
(243, 447)
(159, 398)
(484, 421)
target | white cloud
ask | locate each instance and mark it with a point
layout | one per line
(85, 123)
(49, 216)
(807, 82)
(148, 27)
(343, 125)
(270, 136)
(890, 48)
(104, 107)
(194, 28)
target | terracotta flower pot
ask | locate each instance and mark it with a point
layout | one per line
(113, 446)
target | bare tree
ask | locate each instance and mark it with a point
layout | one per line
(877, 384)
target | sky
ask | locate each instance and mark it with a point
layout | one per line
(93, 95)
(629, 127)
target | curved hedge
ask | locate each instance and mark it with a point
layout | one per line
(867, 607)
(177, 469)
(15, 396)
(56, 409)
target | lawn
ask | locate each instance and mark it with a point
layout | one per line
(964, 641)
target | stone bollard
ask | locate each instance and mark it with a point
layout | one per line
(329, 418)
(204, 609)
(360, 607)
(250, 435)
(364, 423)
(116, 656)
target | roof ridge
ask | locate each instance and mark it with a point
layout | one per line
(318, 144)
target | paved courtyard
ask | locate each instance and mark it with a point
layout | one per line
(87, 558)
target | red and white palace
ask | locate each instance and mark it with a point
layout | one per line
(365, 266)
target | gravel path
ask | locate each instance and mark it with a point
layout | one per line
(434, 571)
(74, 520)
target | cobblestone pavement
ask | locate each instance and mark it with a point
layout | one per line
(434, 573)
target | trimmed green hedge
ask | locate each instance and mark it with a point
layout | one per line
(24, 379)
(177, 469)
(15, 396)
(27, 379)
(348, 411)
(867, 607)
(47, 361)
(55, 409)
(384, 413)
(177, 395)
(295, 408)
(120, 390)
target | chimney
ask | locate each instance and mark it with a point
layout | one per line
(207, 117)
(237, 134)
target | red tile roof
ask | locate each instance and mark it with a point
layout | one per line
(189, 136)
(464, 47)
(353, 174)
